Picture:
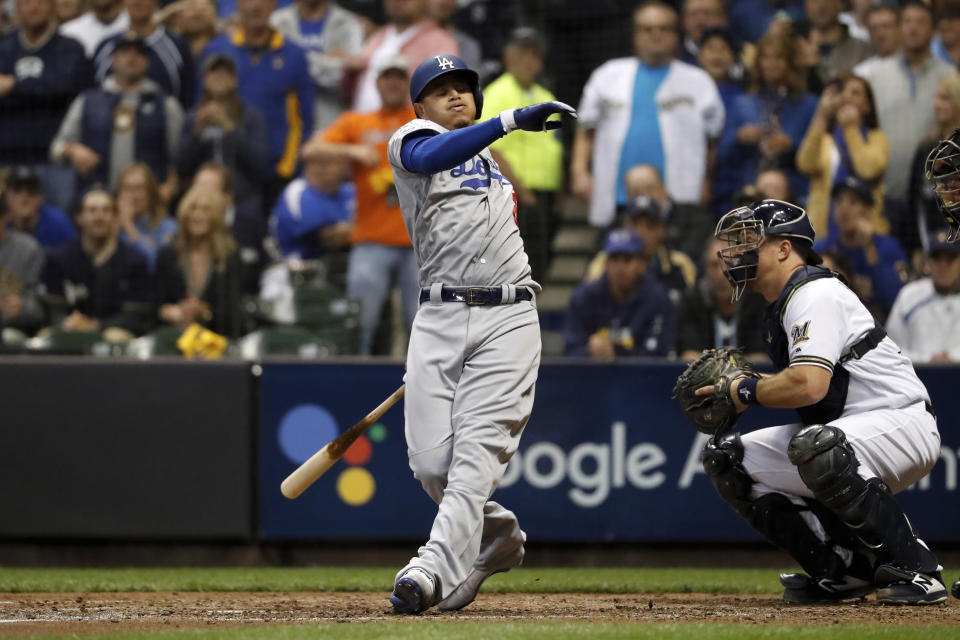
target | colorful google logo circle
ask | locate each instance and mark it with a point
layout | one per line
(307, 427)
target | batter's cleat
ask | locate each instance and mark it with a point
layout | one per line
(467, 591)
(955, 589)
(413, 591)
(899, 586)
(799, 588)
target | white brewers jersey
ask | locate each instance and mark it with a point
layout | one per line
(689, 114)
(822, 320)
(462, 221)
(925, 322)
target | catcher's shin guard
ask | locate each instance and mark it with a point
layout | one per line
(773, 515)
(828, 466)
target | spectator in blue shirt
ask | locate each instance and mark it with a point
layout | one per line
(718, 55)
(314, 215)
(41, 72)
(765, 126)
(144, 222)
(29, 213)
(877, 262)
(272, 75)
(624, 313)
(751, 19)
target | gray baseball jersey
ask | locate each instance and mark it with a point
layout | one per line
(471, 370)
(462, 222)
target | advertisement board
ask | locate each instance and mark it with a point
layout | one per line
(606, 456)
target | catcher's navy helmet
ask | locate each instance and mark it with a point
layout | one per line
(436, 66)
(744, 230)
(942, 169)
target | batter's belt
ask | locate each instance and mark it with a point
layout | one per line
(479, 296)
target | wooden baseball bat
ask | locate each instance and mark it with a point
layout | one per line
(307, 473)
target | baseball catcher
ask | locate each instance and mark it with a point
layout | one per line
(822, 488)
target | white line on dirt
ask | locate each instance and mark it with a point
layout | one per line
(23, 620)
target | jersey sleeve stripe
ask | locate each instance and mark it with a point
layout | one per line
(288, 162)
(814, 360)
(924, 302)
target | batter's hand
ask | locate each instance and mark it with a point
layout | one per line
(534, 117)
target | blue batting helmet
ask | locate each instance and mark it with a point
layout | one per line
(744, 230)
(436, 66)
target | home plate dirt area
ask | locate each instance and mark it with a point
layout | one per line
(24, 615)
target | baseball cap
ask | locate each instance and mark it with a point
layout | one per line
(132, 40)
(393, 63)
(623, 241)
(220, 61)
(23, 178)
(857, 187)
(938, 244)
(646, 206)
(526, 36)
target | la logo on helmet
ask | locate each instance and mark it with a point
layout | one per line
(445, 63)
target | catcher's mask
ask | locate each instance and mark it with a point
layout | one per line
(745, 229)
(942, 170)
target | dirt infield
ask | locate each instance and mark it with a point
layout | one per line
(30, 615)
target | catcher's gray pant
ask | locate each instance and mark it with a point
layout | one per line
(899, 446)
(470, 379)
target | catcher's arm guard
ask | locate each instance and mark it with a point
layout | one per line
(713, 414)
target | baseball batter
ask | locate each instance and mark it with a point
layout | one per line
(475, 343)
(823, 489)
(942, 169)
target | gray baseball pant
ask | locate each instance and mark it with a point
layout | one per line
(471, 373)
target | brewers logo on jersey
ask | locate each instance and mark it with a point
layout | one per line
(800, 332)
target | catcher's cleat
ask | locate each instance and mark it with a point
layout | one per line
(955, 589)
(899, 586)
(413, 591)
(799, 588)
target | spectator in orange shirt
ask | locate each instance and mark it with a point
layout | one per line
(382, 256)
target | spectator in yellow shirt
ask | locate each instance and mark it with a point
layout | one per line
(533, 162)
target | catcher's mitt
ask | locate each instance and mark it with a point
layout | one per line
(712, 414)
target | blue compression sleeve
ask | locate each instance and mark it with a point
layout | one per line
(428, 153)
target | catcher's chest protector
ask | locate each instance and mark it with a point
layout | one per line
(775, 338)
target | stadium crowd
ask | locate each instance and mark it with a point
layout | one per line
(170, 163)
